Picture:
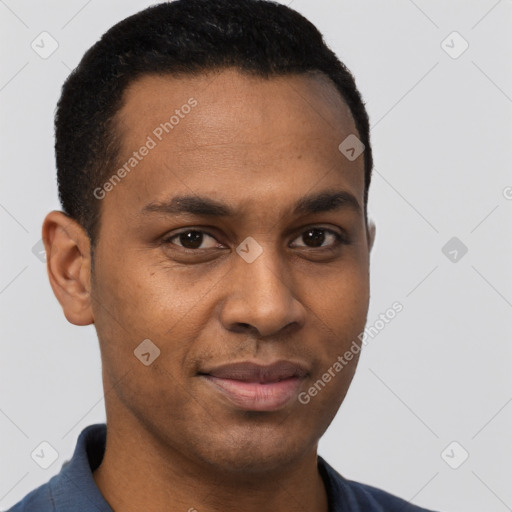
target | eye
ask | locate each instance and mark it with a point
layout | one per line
(312, 238)
(319, 237)
(192, 239)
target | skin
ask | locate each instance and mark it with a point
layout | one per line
(174, 442)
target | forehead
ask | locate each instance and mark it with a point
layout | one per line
(235, 107)
(212, 131)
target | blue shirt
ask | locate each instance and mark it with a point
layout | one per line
(74, 489)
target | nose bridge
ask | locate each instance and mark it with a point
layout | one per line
(266, 277)
(261, 294)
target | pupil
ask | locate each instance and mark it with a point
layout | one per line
(317, 236)
(191, 239)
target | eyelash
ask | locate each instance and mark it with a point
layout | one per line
(339, 239)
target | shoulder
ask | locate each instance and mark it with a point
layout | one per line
(74, 485)
(354, 496)
(40, 500)
(374, 499)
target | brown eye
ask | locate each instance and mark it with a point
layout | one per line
(314, 237)
(319, 237)
(191, 239)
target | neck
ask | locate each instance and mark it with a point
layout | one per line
(141, 473)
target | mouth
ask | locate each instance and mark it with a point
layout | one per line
(255, 387)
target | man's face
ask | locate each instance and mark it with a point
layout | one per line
(257, 147)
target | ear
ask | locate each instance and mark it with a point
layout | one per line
(68, 262)
(371, 234)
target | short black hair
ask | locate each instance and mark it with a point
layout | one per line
(258, 37)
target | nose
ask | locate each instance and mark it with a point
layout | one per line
(261, 296)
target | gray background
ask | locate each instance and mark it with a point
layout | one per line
(441, 132)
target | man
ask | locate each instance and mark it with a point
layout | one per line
(213, 163)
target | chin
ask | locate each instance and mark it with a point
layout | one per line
(254, 450)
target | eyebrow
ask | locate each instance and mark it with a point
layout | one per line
(204, 206)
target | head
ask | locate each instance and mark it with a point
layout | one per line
(209, 209)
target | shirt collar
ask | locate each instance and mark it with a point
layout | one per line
(74, 487)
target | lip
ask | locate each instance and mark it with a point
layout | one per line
(256, 387)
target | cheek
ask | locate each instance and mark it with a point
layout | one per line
(340, 311)
(341, 301)
(135, 301)
(131, 307)
(147, 297)
(324, 393)
(340, 319)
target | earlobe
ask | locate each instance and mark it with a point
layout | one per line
(371, 234)
(69, 266)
